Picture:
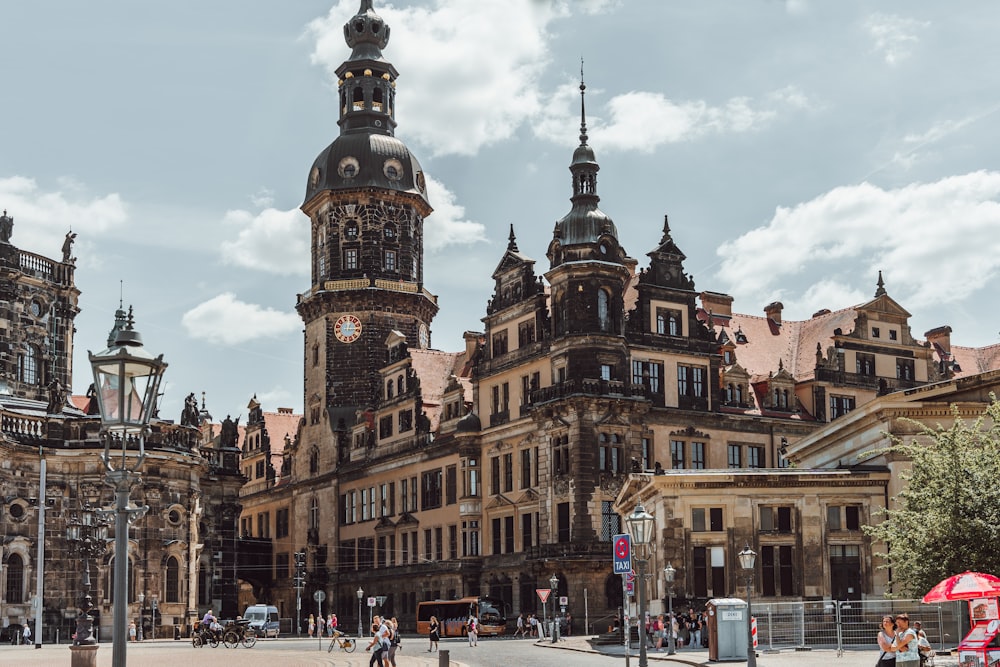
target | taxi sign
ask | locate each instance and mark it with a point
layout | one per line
(622, 552)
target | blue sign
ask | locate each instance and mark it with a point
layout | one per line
(622, 546)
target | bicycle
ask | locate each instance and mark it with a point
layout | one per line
(347, 644)
(239, 633)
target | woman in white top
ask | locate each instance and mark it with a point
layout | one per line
(886, 642)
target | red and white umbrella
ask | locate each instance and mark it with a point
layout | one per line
(965, 586)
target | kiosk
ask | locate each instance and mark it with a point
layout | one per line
(981, 647)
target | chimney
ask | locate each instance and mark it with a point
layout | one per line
(472, 341)
(773, 311)
(720, 305)
(940, 337)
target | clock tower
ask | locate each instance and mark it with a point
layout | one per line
(366, 199)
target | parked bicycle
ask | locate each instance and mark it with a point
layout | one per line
(346, 644)
(239, 632)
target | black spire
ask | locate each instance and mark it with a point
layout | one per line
(512, 240)
(367, 81)
(881, 285)
(584, 166)
(583, 109)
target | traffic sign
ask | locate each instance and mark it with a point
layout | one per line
(319, 596)
(372, 601)
(622, 545)
(543, 594)
(563, 601)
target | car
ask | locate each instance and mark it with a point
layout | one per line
(263, 619)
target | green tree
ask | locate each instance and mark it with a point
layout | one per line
(947, 518)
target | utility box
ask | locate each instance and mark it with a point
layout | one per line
(728, 629)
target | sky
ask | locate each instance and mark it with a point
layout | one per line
(798, 147)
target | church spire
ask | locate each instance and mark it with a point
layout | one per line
(367, 81)
(880, 291)
(512, 240)
(583, 108)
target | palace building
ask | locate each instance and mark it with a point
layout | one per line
(418, 474)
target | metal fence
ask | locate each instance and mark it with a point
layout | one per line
(850, 624)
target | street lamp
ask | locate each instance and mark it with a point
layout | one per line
(554, 585)
(126, 381)
(669, 572)
(747, 559)
(640, 527)
(361, 596)
(88, 538)
(142, 614)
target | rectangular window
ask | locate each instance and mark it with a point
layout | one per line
(776, 570)
(526, 541)
(525, 333)
(413, 494)
(562, 523)
(405, 420)
(677, 454)
(500, 343)
(497, 537)
(372, 500)
(451, 485)
(390, 260)
(560, 455)
(893, 334)
(904, 369)
(452, 542)
(876, 332)
(495, 475)
(709, 570)
(691, 381)
(380, 552)
(428, 544)
(364, 505)
(611, 522)
(404, 488)
(840, 405)
(647, 453)
(405, 548)
(755, 456)
(698, 516)
(606, 372)
(385, 427)
(501, 398)
(525, 468)
(384, 508)
(668, 321)
(865, 364)
(735, 456)
(439, 543)
(351, 258)
(846, 517)
(431, 496)
(776, 519)
(508, 534)
(281, 522)
(508, 472)
(281, 566)
(366, 553)
(697, 455)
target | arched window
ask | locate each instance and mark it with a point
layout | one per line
(388, 388)
(172, 581)
(399, 385)
(109, 582)
(729, 393)
(15, 579)
(674, 325)
(603, 318)
(784, 398)
(739, 394)
(314, 513)
(377, 99)
(313, 460)
(358, 103)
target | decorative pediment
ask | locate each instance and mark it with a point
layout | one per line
(500, 500)
(384, 524)
(500, 446)
(691, 432)
(529, 496)
(736, 372)
(394, 338)
(884, 305)
(407, 519)
(613, 417)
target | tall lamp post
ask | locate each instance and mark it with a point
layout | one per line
(640, 526)
(554, 585)
(126, 380)
(142, 614)
(747, 559)
(669, 573)
(361, 596)
(88, 538)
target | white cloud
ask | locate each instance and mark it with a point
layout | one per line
(913, 234)
(663, 120)
(225, 319)
(263, 198)
(445, 226)
(42, 218)
(893, 35)
(272, 240)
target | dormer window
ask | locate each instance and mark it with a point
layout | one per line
(876, 333)
(740, 336)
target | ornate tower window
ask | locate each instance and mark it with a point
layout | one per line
(603, 315)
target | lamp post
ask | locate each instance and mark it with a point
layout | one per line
(554, 585)
(640, 526)
(669, 573)
(126, 381)
(747, 559)
(361, 596)
(142, 614)
(87, 536)
(153, 613)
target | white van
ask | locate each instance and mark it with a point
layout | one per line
(263, 619)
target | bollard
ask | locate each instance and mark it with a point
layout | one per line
(443, 658)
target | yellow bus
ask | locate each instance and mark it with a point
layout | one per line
(453, 614)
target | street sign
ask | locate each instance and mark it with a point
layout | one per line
(563, 601)
(622, 545)
(372, 602)
(319, 596)
(543, 594)
(630, 583)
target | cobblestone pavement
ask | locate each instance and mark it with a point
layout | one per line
(571, 652)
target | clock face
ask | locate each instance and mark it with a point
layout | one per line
(347, 329)
(36, 309)
(423, 336)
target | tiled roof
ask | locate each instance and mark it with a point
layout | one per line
(280, 424)
(434, 370)
(973, 360)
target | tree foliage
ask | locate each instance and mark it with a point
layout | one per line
(947, 518)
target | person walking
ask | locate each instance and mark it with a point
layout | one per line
(434, 635)
(26, 634)
(520, 626)
(472, 628)
(312, 625)
(331, 624)
(394, 642)
(886, 642)
(381, 642)
(907, 648)
(131, 631)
